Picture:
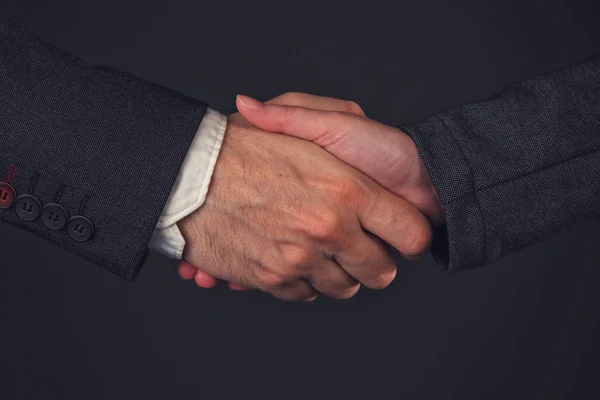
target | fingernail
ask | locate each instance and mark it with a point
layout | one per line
(249, 102)
(311, 299)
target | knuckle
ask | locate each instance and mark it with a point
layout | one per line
(381, 281)
(293, 295)
(341, 121)
(418, 242)
(271, 280)
(327, 226)
(295, 256)
(354, 108)
(361, 257)
(291, 114)
(268, 257)
(347, 292)
(289, 97)
(334, 127)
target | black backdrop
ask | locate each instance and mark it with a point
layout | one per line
(524, 327)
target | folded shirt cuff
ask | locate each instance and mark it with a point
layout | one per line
(190, 189)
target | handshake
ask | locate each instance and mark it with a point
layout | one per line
(300, 196)
(305, 195)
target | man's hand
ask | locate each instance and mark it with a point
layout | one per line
(204, 280)
(285, 217)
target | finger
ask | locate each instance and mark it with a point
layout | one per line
(366, 258)
(330, 279)
(299, 290)
(317, 103)
(186, 270)
(396, 222)
(204, 280)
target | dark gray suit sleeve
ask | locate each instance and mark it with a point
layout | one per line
(517, 168)
(102, 144)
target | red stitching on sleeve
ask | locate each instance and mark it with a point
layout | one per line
(12, 172)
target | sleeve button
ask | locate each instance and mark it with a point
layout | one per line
(54, 216)
(80, 228)
(27, 207)
(7, 195)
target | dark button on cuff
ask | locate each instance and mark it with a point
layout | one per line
(27, 207)
(80, 228)
(7, 195)
(54, 216)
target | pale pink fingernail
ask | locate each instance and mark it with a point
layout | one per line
(249, 102)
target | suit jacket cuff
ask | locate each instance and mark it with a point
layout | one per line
(454, 182)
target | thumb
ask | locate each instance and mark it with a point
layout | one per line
(376, 149)
(303, 123)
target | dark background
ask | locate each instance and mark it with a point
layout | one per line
(524, 327)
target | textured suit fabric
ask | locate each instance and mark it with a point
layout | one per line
(102, 143)
(517, 168)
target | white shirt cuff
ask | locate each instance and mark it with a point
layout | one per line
(191, 186)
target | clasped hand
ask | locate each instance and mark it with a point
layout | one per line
(305, 196)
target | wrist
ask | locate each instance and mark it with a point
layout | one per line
(435, 209)
(420, 189)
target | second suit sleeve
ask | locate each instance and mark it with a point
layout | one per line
(88, 156)
(515, 169)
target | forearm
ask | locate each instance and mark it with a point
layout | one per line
(517, 168)
(102, 144)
